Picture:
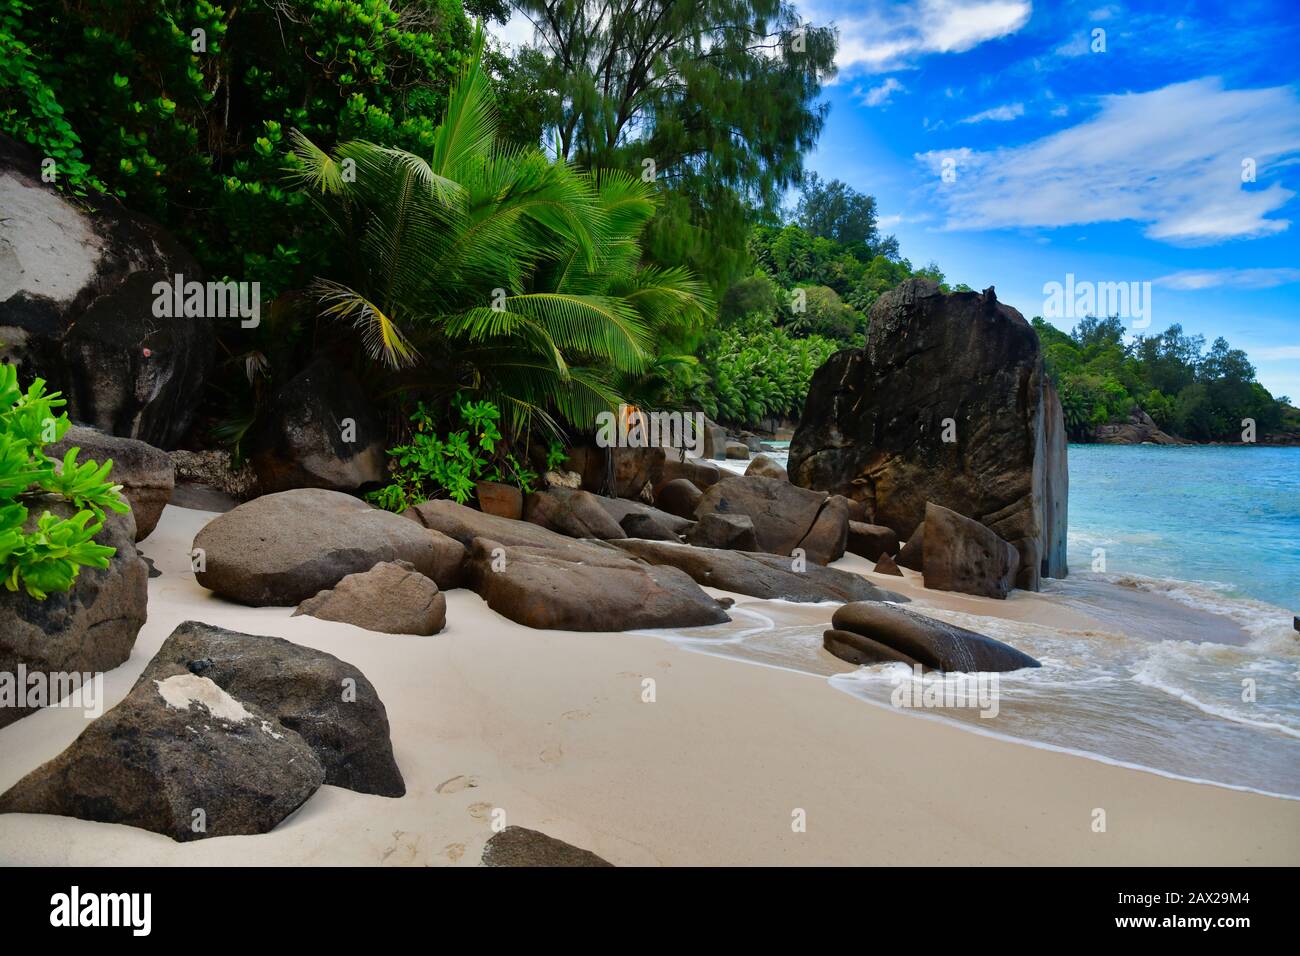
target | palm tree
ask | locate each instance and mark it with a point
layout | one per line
(495, 269)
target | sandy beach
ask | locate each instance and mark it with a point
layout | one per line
(550, 729)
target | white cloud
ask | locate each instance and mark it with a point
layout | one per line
(879, 95)
(517, 31)
(878, 36)
(1276, 352)
(1170, 158)
(1001, 114)
(1229, 278)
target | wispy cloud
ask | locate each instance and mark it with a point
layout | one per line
(1000, 114)
(1229, 278)
(1274, 352)
(1135, 160)
(880, 95)
(878, 36)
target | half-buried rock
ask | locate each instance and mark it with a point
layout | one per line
(178, 756)
(871, 540)
(587, 587)
(519, 846)
(392, 597)
(283, 548)
(870, 632)
(960, 554)
(326, 700)
(886, 565)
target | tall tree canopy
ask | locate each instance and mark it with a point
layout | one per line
(714, 99)
(835, 210)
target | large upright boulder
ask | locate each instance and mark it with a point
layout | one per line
(77, 307)
(146, 474)
(785, 516)
(874, 427)
(282, 549)
(87, 629)
(319, 431)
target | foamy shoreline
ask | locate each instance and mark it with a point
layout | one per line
(551, 728)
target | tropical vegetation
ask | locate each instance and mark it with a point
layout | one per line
(46, 557)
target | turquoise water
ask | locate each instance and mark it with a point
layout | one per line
(1225, 516)
(1192, 669)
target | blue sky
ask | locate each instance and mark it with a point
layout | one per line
(1122, 165)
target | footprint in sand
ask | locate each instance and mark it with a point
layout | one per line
(480, 811)
(454, 851)
(575, 715)
(405, 846)
(457, 784)
(552, 754)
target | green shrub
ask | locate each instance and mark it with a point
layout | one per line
(47, 558)
(428, 466)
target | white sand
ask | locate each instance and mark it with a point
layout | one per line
(550, 729)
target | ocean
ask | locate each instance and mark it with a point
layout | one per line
(1188, 559)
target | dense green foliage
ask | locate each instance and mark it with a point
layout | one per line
(715, 100)
(182, 107)
(496, 271)
(1186, 390)
(48, 557)
(427, 466)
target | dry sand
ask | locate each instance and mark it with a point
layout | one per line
(549, 728)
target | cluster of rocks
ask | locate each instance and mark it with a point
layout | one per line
(947, 404)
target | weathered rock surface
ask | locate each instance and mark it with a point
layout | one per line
(863, 651)
(886, 565)
(464, 524)
(874, 423)
(735, 532)
(392, 597)
(647, 526)
(589, 587)
(714, 441)
(502, 500)
(620, 508)
(178, 756)
(573, 512)
(759, 575)
(241, 727)
(76, 307)
(932, 643)
(912, 556)
(737, 450)
(327, 701)
(871, 540)
(519, 846)
(765, 467)
(88, 629)
(1140, 429)
(145, 473)
(677, 464)
(963, 555)
(319, 431)
(679, 497)
(782, 513)
(283, 548)
(622, 472)
(829, 535)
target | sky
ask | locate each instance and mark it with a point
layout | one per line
(1015, 145)
(1164, 150)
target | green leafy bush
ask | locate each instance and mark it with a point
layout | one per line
(429, 466)
(47, 558)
